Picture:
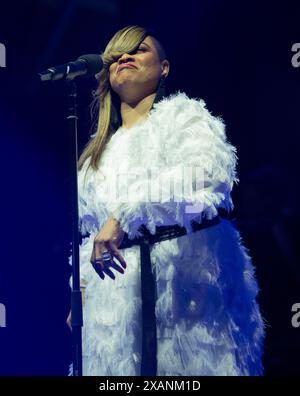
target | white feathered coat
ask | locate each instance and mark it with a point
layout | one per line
(208, 320)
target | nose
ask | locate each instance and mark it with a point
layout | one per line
(124, 58)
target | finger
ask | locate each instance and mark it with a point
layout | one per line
(109, 272)
(98, 270)
(114, 265)
(117, 254)
(105, 269)
(98, 266)
(99, 262)
(93, 257)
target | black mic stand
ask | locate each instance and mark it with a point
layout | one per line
(85, 65)
(76, 301)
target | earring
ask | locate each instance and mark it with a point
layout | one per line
(162, 81)
(161, 89)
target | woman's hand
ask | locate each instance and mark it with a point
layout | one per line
(109, 238)
(69, 318)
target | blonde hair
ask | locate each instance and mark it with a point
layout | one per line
(125, 40)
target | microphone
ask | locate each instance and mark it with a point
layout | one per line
(85, 65)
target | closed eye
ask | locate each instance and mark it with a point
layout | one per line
(142, 49)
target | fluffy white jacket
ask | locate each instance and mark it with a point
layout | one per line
(208, 319)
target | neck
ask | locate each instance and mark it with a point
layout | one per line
(134, 112)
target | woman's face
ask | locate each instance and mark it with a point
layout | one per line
(142, 77)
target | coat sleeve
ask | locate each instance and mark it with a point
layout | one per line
(197, 176)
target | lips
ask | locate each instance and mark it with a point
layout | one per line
(126, 65)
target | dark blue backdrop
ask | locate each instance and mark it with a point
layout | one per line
(237, 57)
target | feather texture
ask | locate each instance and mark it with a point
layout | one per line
(208, 319)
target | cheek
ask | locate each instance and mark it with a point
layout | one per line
(150, 60)
(151, 66)
(151, 72)
(112, 71)
(111, 77)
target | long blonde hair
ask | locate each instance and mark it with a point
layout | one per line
(105, 99)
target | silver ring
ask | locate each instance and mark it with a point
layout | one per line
(106, 256)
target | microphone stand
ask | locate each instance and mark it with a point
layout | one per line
(76, 302)
(85, 65)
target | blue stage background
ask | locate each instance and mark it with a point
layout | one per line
(237, 57)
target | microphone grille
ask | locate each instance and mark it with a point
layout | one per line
(94, 63)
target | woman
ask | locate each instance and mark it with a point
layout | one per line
(207, 318)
